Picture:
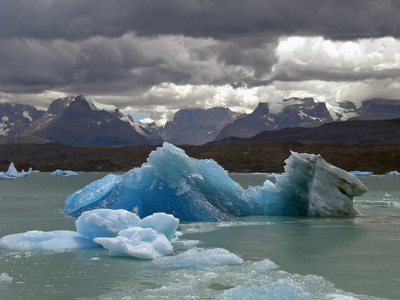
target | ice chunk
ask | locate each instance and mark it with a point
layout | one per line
(40, 240)
(273, 290)
(144, 243)
(265, 264)
(6, 177)
(199, 258)
(316, 188)
(12, 171)
(161, 222)
(105, 222)
(393, 173)
(361, 173)
(201, 190)
(5, 278)
(64, 173)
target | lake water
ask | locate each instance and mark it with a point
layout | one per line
(325, 258)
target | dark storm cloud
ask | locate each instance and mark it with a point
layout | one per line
(125, 47)
(81, 19)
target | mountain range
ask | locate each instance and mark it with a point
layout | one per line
(77, 121)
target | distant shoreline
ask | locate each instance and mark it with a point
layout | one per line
(265, 157)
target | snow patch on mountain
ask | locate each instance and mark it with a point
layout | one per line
(339, 113)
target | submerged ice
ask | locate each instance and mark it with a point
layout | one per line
(201, 190)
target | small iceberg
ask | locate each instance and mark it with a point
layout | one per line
(6, 177)
(361, 173)
(121, 232)
(64, 173)
(12, 173)
(393, 174)
(200, 258)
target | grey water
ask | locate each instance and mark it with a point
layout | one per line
(329, 258)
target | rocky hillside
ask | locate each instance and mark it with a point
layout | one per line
(77, 121)
(197, 126)
(307, 113)
(354, 131)
(15, 118)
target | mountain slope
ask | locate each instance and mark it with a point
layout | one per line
(15, 118)
(79, 122)
(355, 131)
(295, 113)
(308, 113)
(197, 126)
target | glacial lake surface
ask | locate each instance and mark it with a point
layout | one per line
(316, 258)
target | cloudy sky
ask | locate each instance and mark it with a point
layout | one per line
(158, 56)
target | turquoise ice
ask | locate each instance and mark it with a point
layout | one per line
(201, 190)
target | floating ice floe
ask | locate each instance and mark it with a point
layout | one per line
(6, 177)
(5, 278)
(361, 173)
(119, 231)
(199, 258)
(42, 240)
(144, 243)
(12, 173)
(393, 173)
(64, 173)
(201, 190)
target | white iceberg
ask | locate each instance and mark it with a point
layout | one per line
(41, 240)
(201, 190)
(119, 231)
(105, 222)
(6, 177)
(199, 258)
(13, 173)
(161, 222)
(393, 174)
(64, 173)
(144, 243)
(5, 278)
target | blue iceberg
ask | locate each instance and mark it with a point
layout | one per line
(201, 190)
(64, 173)
(393, 174)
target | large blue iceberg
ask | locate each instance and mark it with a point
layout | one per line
(201, 190)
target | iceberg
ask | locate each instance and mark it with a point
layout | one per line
(64, 173)
(144, 243)
(121, 232)
(5, 278)
(199, 258)
(361, 173)
(13, 173)
(42, 240)
(393, 174)
(201, 190)
(105, 222)
(6, 177)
